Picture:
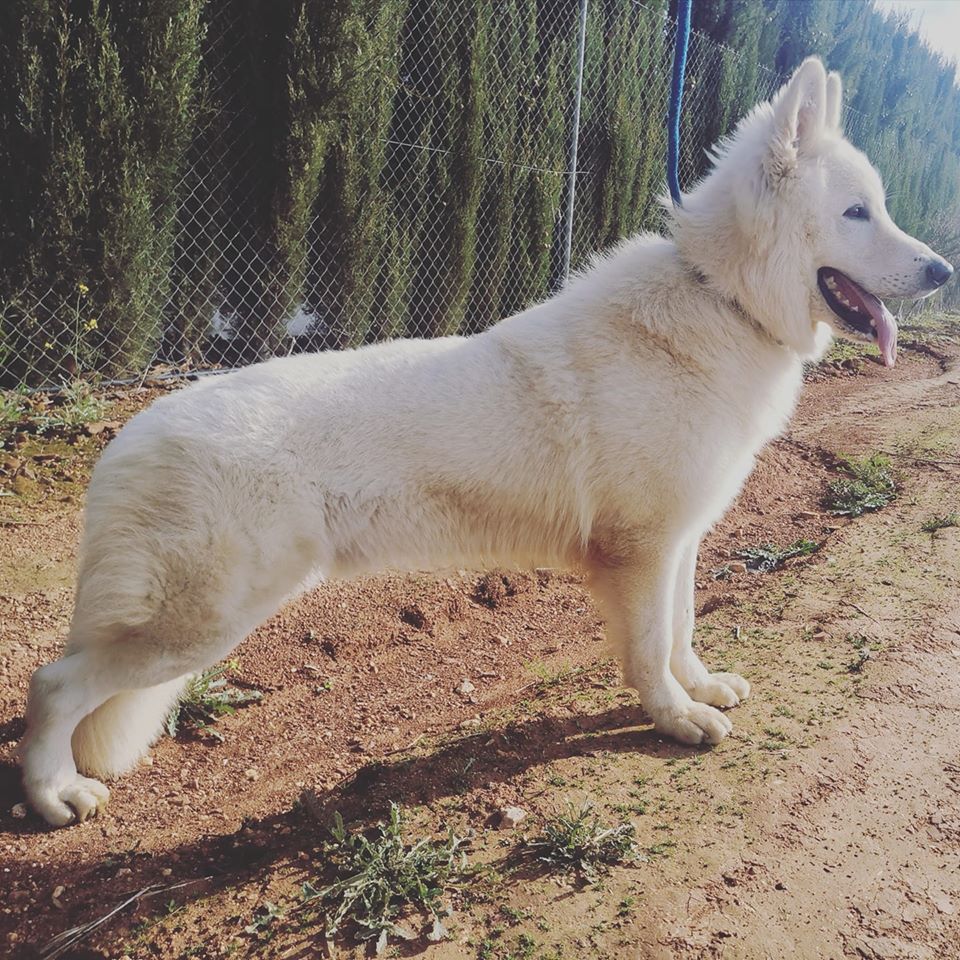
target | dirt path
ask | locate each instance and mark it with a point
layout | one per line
(827, 826)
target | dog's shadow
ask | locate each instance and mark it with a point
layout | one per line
(454, 768)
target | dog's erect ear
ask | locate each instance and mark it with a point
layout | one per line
(799, 118)
(834, 100)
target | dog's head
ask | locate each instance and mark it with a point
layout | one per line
(792, 223)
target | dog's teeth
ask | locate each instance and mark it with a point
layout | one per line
(853, 307)
(873, 323)
(831, 283)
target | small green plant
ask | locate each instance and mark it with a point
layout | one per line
(552, 675)
(263, 918)
(81, 326)
(377, 877)
(627, 907)
(661, 849)
(860, 661)
(80, 405)
(843, 353)
(12, 408)
(576, 841)
(861, 645)
(205, 699)
(77, 405)
(768, 557)
(935, 523)
(869, 485)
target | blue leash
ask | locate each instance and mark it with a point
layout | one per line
(676, 98)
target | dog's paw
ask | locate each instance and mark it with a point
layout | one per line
(75, 801)
(720, 690)
(693, 723)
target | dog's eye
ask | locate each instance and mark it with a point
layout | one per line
(857, 212)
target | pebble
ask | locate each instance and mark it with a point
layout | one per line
(737, 566)
(510, 817)
(252, 773)
(466, 687)
(18, 810)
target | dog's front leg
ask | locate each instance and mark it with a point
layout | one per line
(717, 689)
(637, 600)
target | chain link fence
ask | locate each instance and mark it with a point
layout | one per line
(446, 206)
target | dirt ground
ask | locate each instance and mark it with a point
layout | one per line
(826, 826)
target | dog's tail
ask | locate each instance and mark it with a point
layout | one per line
(116, 735)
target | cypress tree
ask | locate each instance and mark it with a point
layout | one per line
(96, 114)
(511, 36)
(352, 212)
(622, 143)
(540, 178)
(454, 81)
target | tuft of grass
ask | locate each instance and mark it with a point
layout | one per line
(206, 698)
(12, 408)
(869, 485)
(576, 841)
(553, 675)
(78, 405)
(861, 645)
(768, 557)
(378, 877)
(932, 524)
(661, 849)
(849, 355)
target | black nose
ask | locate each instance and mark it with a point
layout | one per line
(939, 272)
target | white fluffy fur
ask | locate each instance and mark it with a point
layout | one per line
(607, 429)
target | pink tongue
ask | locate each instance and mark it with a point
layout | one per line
(886, 329)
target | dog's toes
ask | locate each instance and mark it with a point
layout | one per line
(77, 801)
(721, 690)
(86, 796)
(736, 683)
(694, 724)
(49, 805)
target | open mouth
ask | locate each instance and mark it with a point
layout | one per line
(859, 311)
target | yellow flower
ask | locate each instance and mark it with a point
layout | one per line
(48, 346)
(83, 288)
(91, 324)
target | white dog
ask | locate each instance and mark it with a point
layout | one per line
(607, 428)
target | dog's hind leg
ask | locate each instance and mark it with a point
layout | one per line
(110, 740)
(717, 689)
(61, 694)
(636, 596)
(98, 708)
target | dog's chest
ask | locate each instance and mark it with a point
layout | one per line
(703, 454)
(733, 435)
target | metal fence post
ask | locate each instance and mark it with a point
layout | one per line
(574, 142)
